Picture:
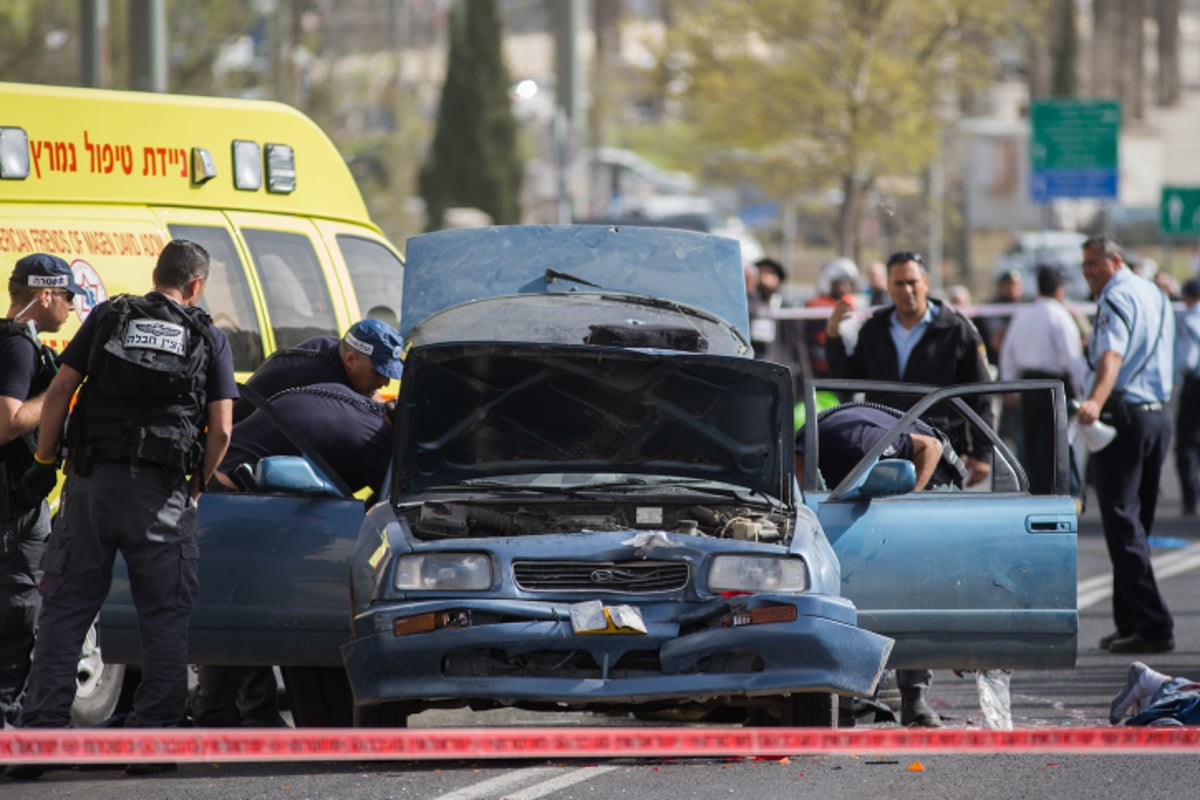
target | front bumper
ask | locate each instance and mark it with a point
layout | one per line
(533, 655)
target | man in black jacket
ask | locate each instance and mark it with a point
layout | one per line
(923, 341)
(918, 340)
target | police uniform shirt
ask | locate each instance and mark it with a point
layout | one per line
(1187, 344)
(348, 430)
(847, 433)
(1133, 318)
(319, 363)
(219, 383)
(19, 369)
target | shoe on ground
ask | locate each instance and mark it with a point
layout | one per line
(25, 772)
(917, 713)
(1141, 683)
(1137, 643)
(151, 768)
(1106, 641)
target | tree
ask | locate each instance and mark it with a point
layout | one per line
(836, 93)
(473, 160)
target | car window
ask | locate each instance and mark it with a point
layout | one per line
(227, 295)
(377, 275)
(298, 299)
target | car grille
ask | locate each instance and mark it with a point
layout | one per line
(625, 577)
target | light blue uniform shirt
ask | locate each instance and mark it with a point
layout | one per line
(1187, 343)
(1134, 318)
(904, 340)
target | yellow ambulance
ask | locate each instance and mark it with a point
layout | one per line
(104, 179)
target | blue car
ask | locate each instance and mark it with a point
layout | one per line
(592, 505)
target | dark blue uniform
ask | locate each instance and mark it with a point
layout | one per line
(312, 361)
(23, 529)
(137, 507)
(349, 431)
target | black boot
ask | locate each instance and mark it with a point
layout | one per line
(915, 711)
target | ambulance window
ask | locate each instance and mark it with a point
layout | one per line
(298, 299)
(227, 294)
(377, 275)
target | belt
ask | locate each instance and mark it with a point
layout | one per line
(1144, 406)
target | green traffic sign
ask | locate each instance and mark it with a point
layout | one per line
(1075, 134)
(1179, 211)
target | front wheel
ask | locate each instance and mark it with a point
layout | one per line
(98, 689)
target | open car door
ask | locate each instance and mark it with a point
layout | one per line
(960, 579)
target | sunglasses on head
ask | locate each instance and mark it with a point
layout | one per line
(904, 256)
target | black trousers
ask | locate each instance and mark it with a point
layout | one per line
(150, 520)
(1187, 443)
(1127, 481)
(20, 573)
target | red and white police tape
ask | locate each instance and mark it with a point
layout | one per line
(118, 746)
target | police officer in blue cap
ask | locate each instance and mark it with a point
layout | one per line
(1129, 354)
(40, 291)
(322, 387)
(365, 359)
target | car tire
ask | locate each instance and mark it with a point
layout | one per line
(99, 686)
(319, 697)
(803, 710)
(382, 715)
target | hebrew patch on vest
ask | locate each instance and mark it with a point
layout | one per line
(154, 334)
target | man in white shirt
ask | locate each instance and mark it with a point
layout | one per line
(1042, 341)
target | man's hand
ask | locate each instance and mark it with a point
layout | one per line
(37, 482)
(840, 312)
(977, 470)
(1089, 412)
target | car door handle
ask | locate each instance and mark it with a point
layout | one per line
(1051, 523)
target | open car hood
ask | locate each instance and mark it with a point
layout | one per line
(480, 410)
(446, 268)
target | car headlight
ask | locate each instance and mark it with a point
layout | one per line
(443, 572)
(757, 574)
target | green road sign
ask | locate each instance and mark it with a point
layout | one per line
(1179, 211)
(1074, 148)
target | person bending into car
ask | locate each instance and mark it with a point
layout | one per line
(845, 434)
(365, 359)
(353, 434)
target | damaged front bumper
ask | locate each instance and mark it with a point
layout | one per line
(512, 651)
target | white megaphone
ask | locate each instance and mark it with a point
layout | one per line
(1096, 436)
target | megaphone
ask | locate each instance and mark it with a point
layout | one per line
(1096, 436)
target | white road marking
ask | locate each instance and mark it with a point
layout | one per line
(1093, 590)
(494, 787)
(561, 782)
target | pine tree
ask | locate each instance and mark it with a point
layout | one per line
(473, 160)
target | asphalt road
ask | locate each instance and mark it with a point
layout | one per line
(1072, 698)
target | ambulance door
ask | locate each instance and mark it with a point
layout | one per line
(231, 295)
(303, 295)
(369, 265)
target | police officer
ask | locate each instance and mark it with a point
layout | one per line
(40, 292)
(1187, 374)
(365, 359)
(361, 362)
(151, 423)
(1129, 354)
(918, 340)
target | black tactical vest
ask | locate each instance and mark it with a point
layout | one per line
(17, 455)
(144, 398)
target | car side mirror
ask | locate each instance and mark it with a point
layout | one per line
(889, 477)
(291, 475)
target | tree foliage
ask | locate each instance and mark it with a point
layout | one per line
(835, 93)
(474, 159)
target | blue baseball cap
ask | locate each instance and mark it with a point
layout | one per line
(44, 271)
(381, 343)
